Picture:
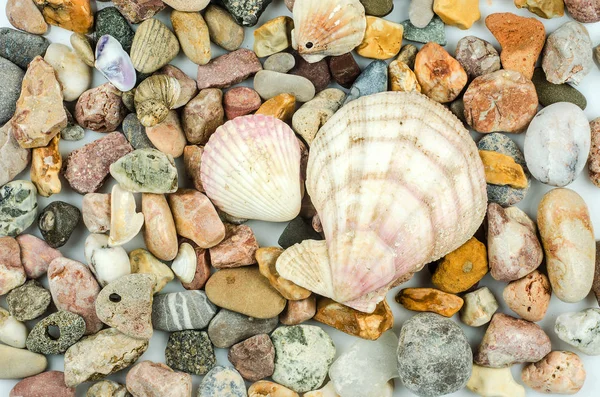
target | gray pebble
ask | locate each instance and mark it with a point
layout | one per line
(581, 330)
(57, 222)
(73, 131)
(71, 327)
(372, 80)
(281, 62)
(434, 356)
(247, 12)
(549, 93)
(229, 328)
(12, 77)
(567, 54)
(222, 382)
(190, 351)
(269, 84)
(18, 207)
(435, 32)
(135, 132)
(505, 195)
(457, 107)
(20, 47)
(110, 21)
(28, 301)
(179, 311)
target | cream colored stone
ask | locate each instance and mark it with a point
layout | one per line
(46, 163)
(144, 262)
(72, 72)
(494, 382)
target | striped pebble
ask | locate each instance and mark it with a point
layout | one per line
(182, 310)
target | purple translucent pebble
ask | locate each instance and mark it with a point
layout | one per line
(114, 63)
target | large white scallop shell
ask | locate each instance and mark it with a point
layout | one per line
(327, 27)
(251, 169)
(397, 182)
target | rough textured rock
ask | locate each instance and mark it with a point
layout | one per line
(568, 54)
(107, 388)
(137, 11)
(100, 355)
(480, 305)
(71, 328)
(429, 300)
(29, 301)
(477, 56)
(21, 48)
(557, 373)
(494, 382)
(20, 363)
(148, 379)
(237, 248)
(585, 11)
(228, 328)
(203, 115)
(74, 15)
(314, 114)
(529, 297)
(228, 69)
(433, 32)
(12, 76)
(146, 171)
(95, 209)
(273, 36)
(248, 12)
(57, 222)
(24, 15)
(222, 381)
(18, 207)
(303, 354)
(461, 269)
(402, 78)
(110, 21)
(47, 384)
(434, 356)
(441, 77)
(160, 234)
(179, 311)
(223, 29)
(190, 351)
(580, 330)
(508, 341)
(12, 274)
(100, 109)
(240, 101)
(253, 358)
(46, 163)
(36, 255)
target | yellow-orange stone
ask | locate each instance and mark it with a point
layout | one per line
(281, 107)
(463, 268)
(460, 13)
(402, 78)
(46, 163)
(73, 15)
(266, 258)
(364, 325)
(382, 40)
(429, 300)
(501, 169)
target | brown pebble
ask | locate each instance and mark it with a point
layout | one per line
(240, 101)
(317, 72)
(168, 136)
(24, 15)
(203, 115)
(100, 109)
(344, 69)
(192, 159)
(297, 312)
(253, 358)
(267, 258)
(160, 234)
(202, 267)
(594, 158)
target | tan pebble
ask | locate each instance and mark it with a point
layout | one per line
(237, 249)
(460, 13)
(568, 239)
(441, 77)
(196, 218)
(594, 158)
(494, 382)
(154, 46)
(160, 234)
(314, 114)
(223, 29)
(192, 32)
(192, 159)
(273, 36)
(83, 48)
(95, 210)
(266, 258)
(329, 391)
(281, 106)
(203, 115)
(560, 372)
(402, 78)
(297, 312)
(168, 136)
(143, 262)
(529, 297)
(543, 8)
(46, 163)
(265, 388)
(382, 40)
(12, 273)
(462, 268)
(479, 307)
(429, 300)
(24, 15)
(187, 5)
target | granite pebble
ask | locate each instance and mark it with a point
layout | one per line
(190, 351)
(71, 328)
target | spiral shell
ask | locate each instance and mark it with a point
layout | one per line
(397, 182)
(251, 169)
(324, 28)
(154, 97)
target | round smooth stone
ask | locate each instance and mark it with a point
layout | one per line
(281, 62)
(270, 84)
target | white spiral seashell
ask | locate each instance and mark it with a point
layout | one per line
(251, 169)
(327, 27)
(397, 182)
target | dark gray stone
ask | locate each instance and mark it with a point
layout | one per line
(57, 221)
(21, 47)
(372, 80)
(71, 327)
(18, 207)
(179, 311)
(11, 76)
(296, 232)
(247, 12)
(110, 21)
(435, 32)
(457, 107)
(229, 328)
(434, 356)
(505, 195)
(222, 381)
(73, 131)
(28, 301)
(190, 351)
(549, 93)
(135, 132)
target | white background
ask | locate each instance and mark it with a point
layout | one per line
(267, 234)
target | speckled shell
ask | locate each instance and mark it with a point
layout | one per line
(154, 97)
(397, 182)
(251, 169)
(324, 28)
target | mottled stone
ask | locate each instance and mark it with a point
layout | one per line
(222, 381)
(75, 289)
(402, 78)
(580, 330)
(223, 29)
(13, 158)
(110, 21)
(344, 69)
(100, 355)
(429, 300)
(107, 388)
(508, 341)
(228, 328)
(585, 11)
(95, 209)
(281, 107)
(71, 328)
(29, 301)
(567, 54)
(480, 305)
(353, 322)
(20, 363)
(203, 115)
(36, 255)
(47, 384)
(254, 358)
(494, 382)
(462, 268)
(105, 262)
(248, 12)
(148, 379)
(12, 77)
(269, 84)
(265, 388)
(137, 11)
(273, 36)
(529, 297)
(441, 77)
(378, 8)
(72, 73)
(57, 222)
(237, 248)
(549, 93)
(18, 207)
(433, 32)
(190, 351)
(21, 48)
(434, 356)
(100, 109)
(558, 373)
(46, 163)
(25, 15)
(146, 171)
(135, 132)
(240, 101)
(180, 311)
(74, 15)
(160, 234)
(228, 69)
(372, 80)
(297, 312)
(12, 273)
(303, 354)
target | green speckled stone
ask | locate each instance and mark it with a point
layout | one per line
(303, 355)
(435, 32)
(28, 301)
(190, 351)
(18, 207)
(110, 21)
(146, 171)
(549, 93)
(71, 326)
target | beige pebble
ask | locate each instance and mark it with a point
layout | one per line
(95, 210)
(20, 363)
(160, 234)
(83, 48)
(529, 297)
(192, 32)
(144, 262)
(168, 136)
(314, 114)
(203, 115)
(24, 15)
(273, 36)
(223, 29)
(479, 307)
(266, 258)
(265, 388)
(72, 73)
(382, 40)
(192, 159)
(494, 382)
(558, 373)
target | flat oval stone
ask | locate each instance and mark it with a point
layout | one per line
(223, 29)
(71, 328)
(25, 15)
(434, 356)
(18, 207)
(12, 77)
(100, 355)
(240, 101)
(222, 381)
(190, 351)
(253, 295)
(192, 32)
(529, 297)
(557, 373)
(154, 46)
(580, 330)
(110, 21)
(227, 328)
(372, 80)
(21, 47)
(281, 62)
(48, 384)
(378, 8)
(549, 93)
(12, 274)
(179, 311)
(20, 363)
(203, 115)
(72, 73)
(28, 301)
(160, 234)
(303, 355)
(270, 84)
(146, 171)
(254, 358)
(57, 222)
(567, 54)
(150, 379)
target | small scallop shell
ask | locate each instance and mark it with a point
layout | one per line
(125, 222)
(154, 97)
(330, 27)
(251, 169)
(184, 264)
